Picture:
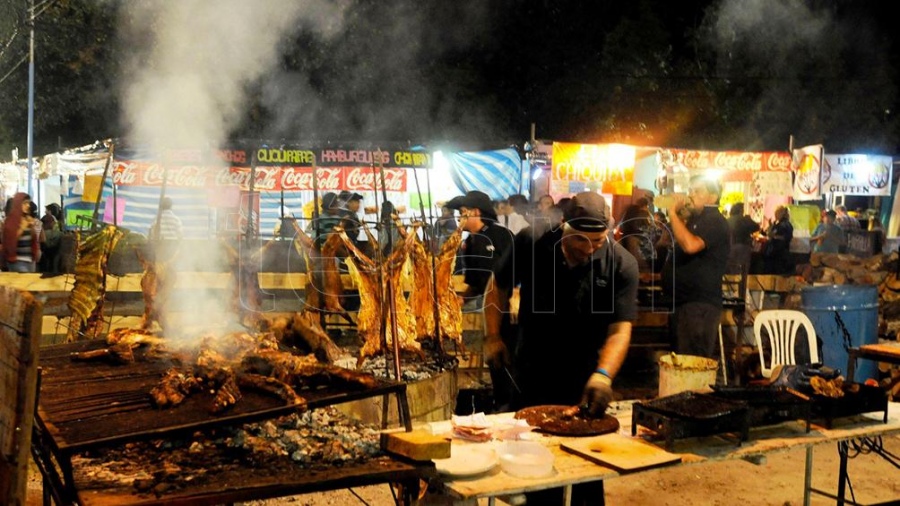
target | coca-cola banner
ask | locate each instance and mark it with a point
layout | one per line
(734, 165)
(267, 178)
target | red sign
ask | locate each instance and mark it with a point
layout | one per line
(733, 160)
(130, 173)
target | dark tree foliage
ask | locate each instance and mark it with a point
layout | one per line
(705, 74)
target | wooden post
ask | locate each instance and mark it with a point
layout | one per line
(20, 332)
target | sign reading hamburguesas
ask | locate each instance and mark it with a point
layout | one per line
(857, 175)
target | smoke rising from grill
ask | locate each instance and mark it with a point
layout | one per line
(191, 65)
(194, 59)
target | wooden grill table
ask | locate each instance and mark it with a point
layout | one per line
(570, 469)
(887, 352)
(97, 406)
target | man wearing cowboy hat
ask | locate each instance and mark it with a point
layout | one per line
(485, 249)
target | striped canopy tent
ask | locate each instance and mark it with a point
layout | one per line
(499, 173)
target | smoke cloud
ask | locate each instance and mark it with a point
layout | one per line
(193, 60)
(797, 58)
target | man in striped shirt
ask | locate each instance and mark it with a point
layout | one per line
(168, 225)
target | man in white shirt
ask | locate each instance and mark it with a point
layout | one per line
(509, 218)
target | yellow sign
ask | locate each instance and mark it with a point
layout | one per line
(93, 185)
(610, 166)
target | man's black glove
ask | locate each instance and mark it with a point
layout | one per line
(597, 395)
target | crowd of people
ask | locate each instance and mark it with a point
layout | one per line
(30, 242)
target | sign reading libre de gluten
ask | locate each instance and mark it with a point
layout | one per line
(857, 174)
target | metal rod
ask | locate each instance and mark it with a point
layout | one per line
(432, 249)
(112, 149)
(31, 101)
(162, 194)
(392, 304)
(315, 185)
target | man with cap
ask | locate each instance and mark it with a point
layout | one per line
(578, 292)
(697, 264)
(350, 204)
(330, 217)
(486, 248)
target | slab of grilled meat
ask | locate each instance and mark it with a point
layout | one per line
(372, 282)
(88, 293)
(226, 364)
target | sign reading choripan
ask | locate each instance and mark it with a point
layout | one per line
(857, 175)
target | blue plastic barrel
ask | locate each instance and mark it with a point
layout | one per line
(858, 307)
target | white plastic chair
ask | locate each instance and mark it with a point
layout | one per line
(782, 327)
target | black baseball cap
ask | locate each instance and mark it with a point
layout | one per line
(588, 212)
(330, 200)
(346, 196)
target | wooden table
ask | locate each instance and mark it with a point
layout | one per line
(889, 353)
(570, 469)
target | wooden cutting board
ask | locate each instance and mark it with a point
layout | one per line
(622, 453)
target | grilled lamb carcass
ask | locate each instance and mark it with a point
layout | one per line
(372, 281)
(324, 286)
(238, 360)
(156, 281)
(449, 306)
(86, 299)
(422, 296)
(228, 394)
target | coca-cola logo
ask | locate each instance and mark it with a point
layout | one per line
(232, 176)
(154, 174)
(266, 178)
(188, 176)
(738, 161)
(126, 174)
(328, 179)
(779, 161)
(296, 179)
(696, 159)
(368, 179)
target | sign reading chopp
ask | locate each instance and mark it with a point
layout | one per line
(606, 167)
(857, 174)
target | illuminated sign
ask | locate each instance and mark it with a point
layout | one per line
(857, 175)
(609, 166)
